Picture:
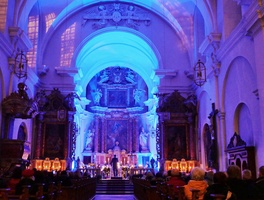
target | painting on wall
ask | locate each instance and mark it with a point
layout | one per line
(117, 132)
(54, 141)
(176, 141)
(117, 98)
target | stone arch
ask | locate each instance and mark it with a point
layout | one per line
(143, 57)
(22, 132)
(243, 123)
(204, 109)
(238, 87)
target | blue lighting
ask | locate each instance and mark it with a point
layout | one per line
(117, 48)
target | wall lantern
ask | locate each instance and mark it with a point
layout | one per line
(199, 73)
(20, 67)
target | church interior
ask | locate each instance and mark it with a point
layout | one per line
(161, 84)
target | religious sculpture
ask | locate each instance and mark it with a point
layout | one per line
(104, 77)
(97, 96)
(138, 95)
(130, 76)
(143, 140)
(89, 140)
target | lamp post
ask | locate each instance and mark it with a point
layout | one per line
(199, 73)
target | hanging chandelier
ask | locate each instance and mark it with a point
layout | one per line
(20, 67)
(199, 73)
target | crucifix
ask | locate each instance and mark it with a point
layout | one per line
(213, 154)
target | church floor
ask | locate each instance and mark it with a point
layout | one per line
(114, 197)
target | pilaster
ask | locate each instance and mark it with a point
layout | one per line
(222, 141)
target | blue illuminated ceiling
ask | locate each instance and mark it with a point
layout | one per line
(125, 47)
(117, 48)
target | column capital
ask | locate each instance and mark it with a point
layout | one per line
(211, 44)
(216, 68)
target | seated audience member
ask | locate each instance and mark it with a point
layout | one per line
(149, 176)
(14, 180)
(209, 177)
(168, 175)
(197, 182)
(235, 182)
(249, 184)
(27, 179)
(175, 179)
(64, 178)
(260, 184)
(158, 178)
(3, 183)
(219, 186)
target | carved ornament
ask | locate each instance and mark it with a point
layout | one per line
(116, 14)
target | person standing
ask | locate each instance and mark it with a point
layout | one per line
(114, 162)
(152, 162)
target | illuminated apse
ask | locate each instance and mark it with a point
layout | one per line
(118, 80)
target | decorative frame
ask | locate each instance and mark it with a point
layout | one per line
(117, 98)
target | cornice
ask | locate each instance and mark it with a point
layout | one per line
(66, 71)
(161, 73)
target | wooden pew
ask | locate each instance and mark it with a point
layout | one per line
(139, 189)
(58, 191)
(143, 190)
(218, 196)
(4, 193)
(172, 193)
(25, 194)
(82, 189)
(181, 194)
(50, 193)
(195, 194)
(162, 190)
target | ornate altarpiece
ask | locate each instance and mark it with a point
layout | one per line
(117, 97)
(55, 131)
(55, 128)
(176, 137)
